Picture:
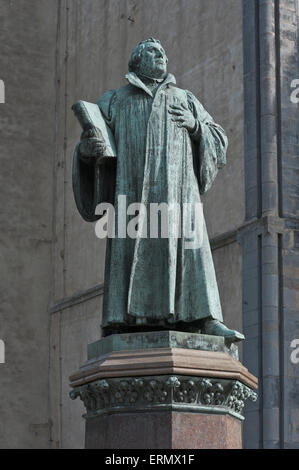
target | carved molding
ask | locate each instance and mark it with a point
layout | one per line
(78, 298)
(163, 362)
(164, 392)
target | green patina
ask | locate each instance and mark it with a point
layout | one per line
(169, 150)
(160, 339)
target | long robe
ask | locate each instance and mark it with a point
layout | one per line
(154, 281)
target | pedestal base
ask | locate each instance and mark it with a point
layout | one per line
(163, 430)
(163, 390)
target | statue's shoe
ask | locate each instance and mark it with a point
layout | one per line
(216, 328)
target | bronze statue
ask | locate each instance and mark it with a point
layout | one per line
(169, 150)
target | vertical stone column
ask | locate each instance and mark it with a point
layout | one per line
(270, 250)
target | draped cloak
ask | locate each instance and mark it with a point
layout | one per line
(154, 281)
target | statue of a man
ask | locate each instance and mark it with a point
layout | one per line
(169, 150)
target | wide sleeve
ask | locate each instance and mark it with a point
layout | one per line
(94, 183)
(209, 144)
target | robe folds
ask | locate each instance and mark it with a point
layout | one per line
(154, 281)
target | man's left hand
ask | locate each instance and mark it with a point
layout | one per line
(183, 116)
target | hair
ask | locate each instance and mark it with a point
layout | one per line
(137, 53)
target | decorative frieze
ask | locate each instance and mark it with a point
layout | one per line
(164, 392)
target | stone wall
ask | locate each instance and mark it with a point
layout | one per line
(269, 239)
(27, 121)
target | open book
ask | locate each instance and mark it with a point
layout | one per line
(90, 118)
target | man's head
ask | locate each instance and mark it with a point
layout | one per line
(149, 59)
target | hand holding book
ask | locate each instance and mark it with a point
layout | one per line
(97, 139)
(91, 144)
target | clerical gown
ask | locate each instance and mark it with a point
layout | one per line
(154, 281)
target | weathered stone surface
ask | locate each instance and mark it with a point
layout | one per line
(164, 430)
(183, 397)
(27, 148)
(270, 278)
(165, 361)
(160, 339)
(171, 391)
(158, 393)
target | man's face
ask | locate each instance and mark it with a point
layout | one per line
(153, 61)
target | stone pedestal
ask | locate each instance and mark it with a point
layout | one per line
(163, 390)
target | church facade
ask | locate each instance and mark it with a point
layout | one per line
(240, 58)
